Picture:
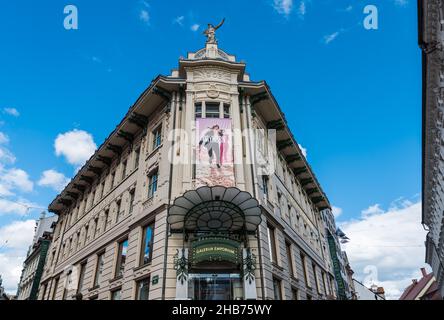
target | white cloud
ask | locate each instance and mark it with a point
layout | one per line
(179, 20)
(401, 3)
(53, 179)
(96, 59)
(336, 211)
(144, 16)
(11, 111)
(349, 8)
(15, 179)
(15, 240)
(76, 146)
(6, 156)
(304, 150)
(372, 210)
(195, 27)
(330, 37)
(283, 7)
(391, 240)
(3, 138)
(302, 10)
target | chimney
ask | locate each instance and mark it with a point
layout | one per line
(424, 272)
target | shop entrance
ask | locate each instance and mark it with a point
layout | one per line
(215, 286)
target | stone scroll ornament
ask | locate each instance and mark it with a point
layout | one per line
(249, 266)
(181, 266)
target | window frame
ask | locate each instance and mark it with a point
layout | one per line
(99, 269)
(137, 283)
(144, 245)
(157, 137)
(153, 181)
(119, 269)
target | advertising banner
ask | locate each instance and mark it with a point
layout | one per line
(214, 153)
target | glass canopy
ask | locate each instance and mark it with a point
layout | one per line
(215, 209)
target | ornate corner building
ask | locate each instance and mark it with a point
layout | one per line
(431, 37)
(184, 201)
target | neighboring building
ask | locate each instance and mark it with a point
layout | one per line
(425, 288)
(340, 266)
(155, 214)
(35, 259)
(431, 36)
(3, 295)
(361, 292)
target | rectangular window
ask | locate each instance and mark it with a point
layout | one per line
(119, 205)
(67, 285)
(212, 110)
(289, 258)
(147, 244)
(157, 137)
(81, 277)
(93, 198)
(309, 297)
(44, 291)
(277, 289)
(113, 177)
(324, 282)
(99, 269)
(105, 223)
(152, 184)
(198, 110)
(116, 294)
(272, 244)
(315, 274)
(102, 192)
(131, 204)
(304, 269)
(295, 294)
(124, 165)
(265, 184)
(143, 289)
(56, 285)
(136, 158)
(227, 113)
(121, 257)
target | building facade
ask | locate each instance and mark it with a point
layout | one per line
(35, 260)
(184, 201)
(431, 36)
(425, 288)
(363, 293)
(341, 266)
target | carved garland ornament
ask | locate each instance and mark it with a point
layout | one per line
(181, 266)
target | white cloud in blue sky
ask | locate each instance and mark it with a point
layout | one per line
(77, 146)
(392, 240)
(283, 7)
(53, 179)
(11, 111)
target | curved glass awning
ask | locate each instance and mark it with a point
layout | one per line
(215, 209)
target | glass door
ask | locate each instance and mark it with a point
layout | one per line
(217, 286)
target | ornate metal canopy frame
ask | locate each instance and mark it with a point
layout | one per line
(215, 210)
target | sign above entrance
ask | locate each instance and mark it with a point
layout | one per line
(215, 250)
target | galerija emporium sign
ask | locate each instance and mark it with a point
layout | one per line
(215, 250)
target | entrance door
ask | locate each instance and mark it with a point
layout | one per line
(218, 286)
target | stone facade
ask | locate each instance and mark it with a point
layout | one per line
(33, 265)
(431, 36)
(123, 194)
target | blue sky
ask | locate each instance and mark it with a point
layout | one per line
(352, 96)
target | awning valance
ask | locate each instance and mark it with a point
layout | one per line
(215, 209)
